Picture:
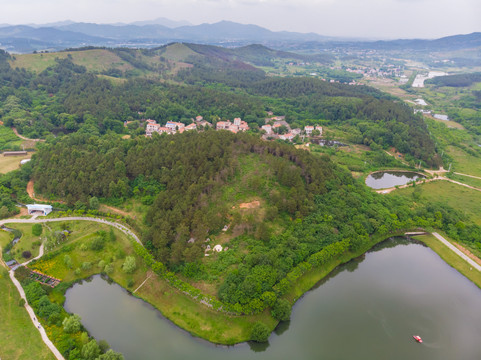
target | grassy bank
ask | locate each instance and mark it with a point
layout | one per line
(451, 258)
(311, 278)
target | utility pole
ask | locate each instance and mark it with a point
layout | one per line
(450, 167)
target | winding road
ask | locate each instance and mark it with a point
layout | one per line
(19, 287)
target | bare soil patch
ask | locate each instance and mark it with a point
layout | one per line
(250, 205)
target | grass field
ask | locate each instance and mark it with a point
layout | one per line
(459, 197)
(27, 242)
(93, 60)
(451, 258)
(18, 337)
(10, 163)
(464, 162)
(84, 233)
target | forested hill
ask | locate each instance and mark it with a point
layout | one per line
(67, 97)
(371, 116)
(185, 178)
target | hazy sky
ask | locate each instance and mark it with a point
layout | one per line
(354, 18)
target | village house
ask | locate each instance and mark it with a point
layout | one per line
(308, 130)
(267, 129)
(192, 126)
(288, 136)
(151, 127)
(237, 125)
(174, 126)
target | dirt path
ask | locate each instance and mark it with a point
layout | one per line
(24, 138)
(471, 176)
(115, 210)
(31, 193)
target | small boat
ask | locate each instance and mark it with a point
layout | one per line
(418, 338)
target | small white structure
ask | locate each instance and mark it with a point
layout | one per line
(24, 161)
(38, 208)
(218, 248)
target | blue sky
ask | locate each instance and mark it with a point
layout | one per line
(352, 18)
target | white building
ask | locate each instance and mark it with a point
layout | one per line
(39, 208)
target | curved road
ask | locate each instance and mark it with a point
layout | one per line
(19, 287)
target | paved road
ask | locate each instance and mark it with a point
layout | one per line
(457, 251)
(19, 287)
(121, 227)
(40, 328)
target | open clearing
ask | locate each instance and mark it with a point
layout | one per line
(93, 60)
(10, 163)
(461, 198)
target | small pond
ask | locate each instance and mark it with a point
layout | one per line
(387, 179)
(367, 309)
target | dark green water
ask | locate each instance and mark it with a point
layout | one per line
(387, 179)
(366, 310)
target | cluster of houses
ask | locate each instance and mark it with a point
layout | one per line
(270, 129)
(172, 127)
(276, 122)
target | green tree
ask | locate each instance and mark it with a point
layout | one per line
(67, 260)
(129, 265)
(260, 332)
(91, 350)
(94, 203)
(281, 310)
(71, 324)
(111, 355)
(37, 229)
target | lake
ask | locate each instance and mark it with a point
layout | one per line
(367, 309)
(387, 179)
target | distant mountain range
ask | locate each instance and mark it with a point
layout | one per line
(68, 34)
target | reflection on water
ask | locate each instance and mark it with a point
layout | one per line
(387, 179)
(367, 309)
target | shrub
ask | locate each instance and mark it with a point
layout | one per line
(71, 324)
(37, 229)
(281, 310)
(97, 244)
(129, 265)
(260, 332)
(27, 254)
(21, 303)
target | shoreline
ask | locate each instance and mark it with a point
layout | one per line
(194, 317)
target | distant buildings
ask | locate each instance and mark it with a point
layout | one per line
(236, 126)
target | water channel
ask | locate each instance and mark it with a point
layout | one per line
(367, 309)
(387, 179)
